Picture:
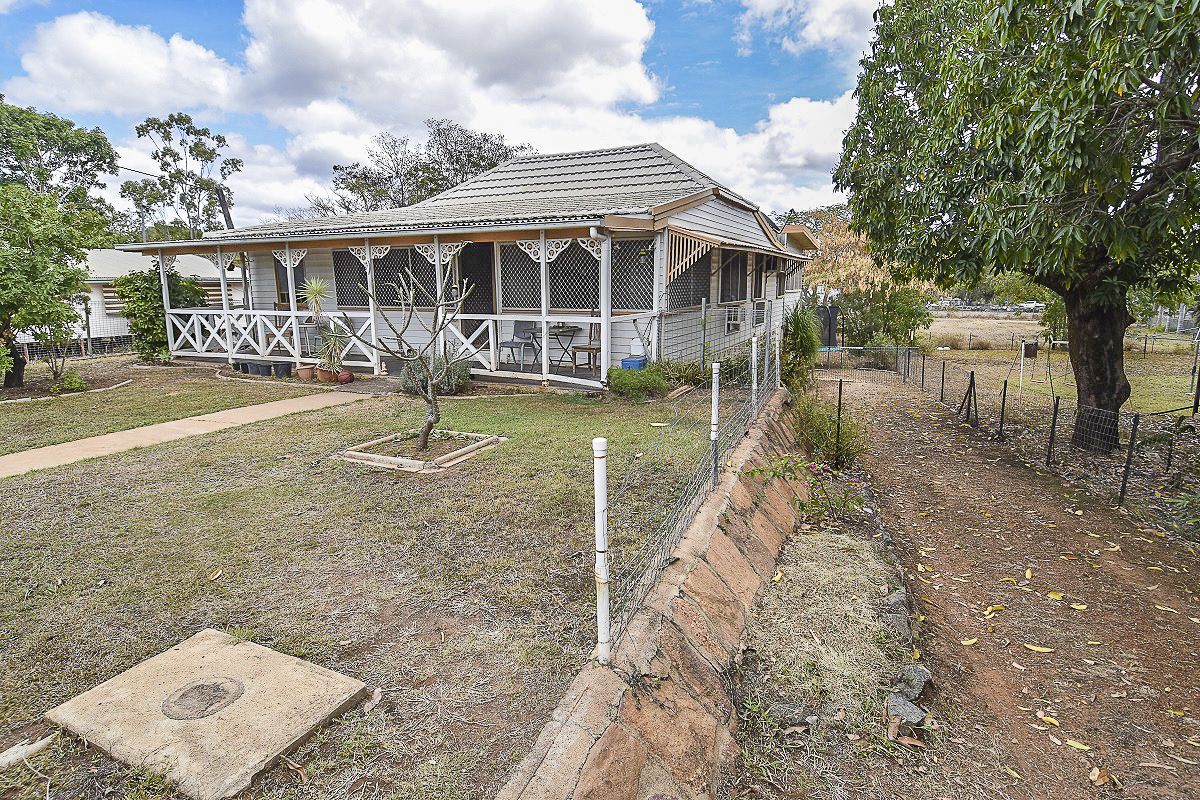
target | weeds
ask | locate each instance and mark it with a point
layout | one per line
(823, 437)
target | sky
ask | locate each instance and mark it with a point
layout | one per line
(757, 93)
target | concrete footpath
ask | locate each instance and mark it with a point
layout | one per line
(69, 452)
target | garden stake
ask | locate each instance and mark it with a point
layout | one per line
(1053, 430)
(1129, 458)
(600, 481)
(1003, 402)
(922, 370)
(837, 446)
(712, 430)
(942, 395)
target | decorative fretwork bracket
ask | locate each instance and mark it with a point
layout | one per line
(377, 251)
(297, 256)
(168, 262)
(220, 260)
(554, 248)
(448, 251)
(593, 246)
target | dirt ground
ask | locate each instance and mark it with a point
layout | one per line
(1059, 630)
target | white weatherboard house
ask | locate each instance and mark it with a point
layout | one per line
(610, 251)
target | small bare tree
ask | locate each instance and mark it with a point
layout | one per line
(428, 363)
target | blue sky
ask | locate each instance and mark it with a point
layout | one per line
(755, 92)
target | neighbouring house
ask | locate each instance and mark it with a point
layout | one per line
(100, 319)
(620, 251)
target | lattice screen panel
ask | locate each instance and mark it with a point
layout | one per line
(793, 276)
(691, 286)
(574, 280)
(633, 274)
(520, 279)
(403, 263)
(349, 279)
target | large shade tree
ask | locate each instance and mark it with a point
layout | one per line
(399, 173)
(1055, 139)
(42, 244)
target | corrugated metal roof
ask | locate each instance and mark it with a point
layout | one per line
(560, 187)
(104, 265)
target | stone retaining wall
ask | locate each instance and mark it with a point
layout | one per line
(659, 722)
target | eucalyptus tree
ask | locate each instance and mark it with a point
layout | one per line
(1055, 139)
(193, 170)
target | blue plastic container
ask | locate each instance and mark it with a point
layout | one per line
(634, 362)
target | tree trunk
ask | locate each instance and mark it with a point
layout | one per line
(1096, 338)
(433, 415)
(15, 377)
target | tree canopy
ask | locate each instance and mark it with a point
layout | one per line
(42, 243)
(399, 173)
(186, 195)
(52, 156)
(1057, 140)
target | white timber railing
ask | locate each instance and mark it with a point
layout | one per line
(267, 335)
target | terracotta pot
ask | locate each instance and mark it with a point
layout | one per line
(345, 376)
(306, 373)
(326, 375)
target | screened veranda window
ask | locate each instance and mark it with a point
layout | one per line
(349, 279)
(733, 276)
(633, 274)
(690, 287)
(399, 266)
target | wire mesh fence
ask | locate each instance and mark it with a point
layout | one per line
(699, 429)
(1149, 461)
(78, 348)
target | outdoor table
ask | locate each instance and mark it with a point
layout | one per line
(564, 336)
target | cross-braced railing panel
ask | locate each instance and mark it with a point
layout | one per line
(479, 345)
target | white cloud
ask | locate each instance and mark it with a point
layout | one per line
(87, 62)
(798, 25)
(560, 75)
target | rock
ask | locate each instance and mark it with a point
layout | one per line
(905, 709)
(898, 624)
(912, 681)
(897, 602)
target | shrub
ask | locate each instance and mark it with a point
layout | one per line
(981, 344)
(637, 384)
(141, 293)
(68, 383)
(457, 377)
(680, 373)
(800, 344)
(818, 433)
(952, 340)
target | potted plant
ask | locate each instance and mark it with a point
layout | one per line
(306, 372)
(329, 363)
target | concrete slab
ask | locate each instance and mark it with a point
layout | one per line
(211, 713)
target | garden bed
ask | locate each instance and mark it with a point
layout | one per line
(399, 451)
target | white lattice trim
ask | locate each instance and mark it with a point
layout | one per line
(555, 248)
(377, 251)
(168, 261)
(593, 246)
(297, 256)
(532, 248)
(220, 261)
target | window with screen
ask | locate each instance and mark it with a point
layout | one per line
(574, 279)
(762, 264)
(633, 274)
(399, 266)
(349, 280)
(690, 287)
(520, 279)
(733, 276)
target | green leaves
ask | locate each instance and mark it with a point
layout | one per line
(1030, 136)
(141, 293)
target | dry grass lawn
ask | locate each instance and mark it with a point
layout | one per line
(465, 596)
(155, 395)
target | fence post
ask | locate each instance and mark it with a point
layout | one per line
(1053, 431)
(922, 370)
(1003, 403)
(970, 336)
(712, 429)
(754, 372)
(1196, 396)
(1128, 457)
(703, 330)
(600, 481)
(942, 393)
(837, 445)
(779, 361)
